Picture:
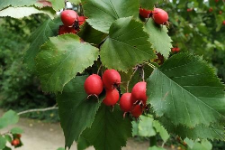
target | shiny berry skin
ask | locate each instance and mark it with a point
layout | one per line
(111, 78)
(160, 16)
(111, 98)
(15, 142)
(139, 92)
(81, 20)
(93, 85)
(137, 111)
(144, 13)
(64, 29)
(68, 17)
(126, 102)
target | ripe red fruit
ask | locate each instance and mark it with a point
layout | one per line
(126, 102)
(15, 142)
(160, 16)
(137, 111)
(112, 96)
(139, 92)
(81, 20)
(111, 78)
(93, 85)
(210, 9)
(224, 22)
(144, 13)
(64, 29)
(175, 49)
(189, 10)
(68, 17)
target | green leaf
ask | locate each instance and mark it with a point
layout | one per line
(47, 29)
(6, 3)
(102, 14)
(189, 142)
(7, 148)
(161, 130)
(89, 34)
(57, 4)
(61, 149)
(75, 110)
(109, 130)
(126, 46)
(16, 130)
(2, 142)
(156, 148)
(20, 12)
(158, 37)
(186, 90)
(203, 145)
(8, 118)
(61, 58)
(76, 2)
(82, 143)
(148, 4)
(144, 127)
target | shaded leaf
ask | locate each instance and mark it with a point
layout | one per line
(109, 130)
(156, 148)
(75, 110)
(158, 37)
(76, 2)
(161, 130)
(126, 46)
(186, 90)
(148, 4)
(6, 3)
(102, 14)
(82, 143)
(61, 58)
(2, 142)
(57, 4)
(40, 36)
(16, 130)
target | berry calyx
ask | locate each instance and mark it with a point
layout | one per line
(68, 17)
(64, 29)
(139, 93)
(145, 13)
(15, 142)
(137, 111)
(126, 102)
(111, 98)
(111, 79)
(81, 20)
(93, 85)
(160, 16)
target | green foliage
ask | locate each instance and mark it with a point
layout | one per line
(63, 54)
(109, 130)
(57, 4)
(16, 130)
(127, 44)
(76, 111)
(6, 3)
(182, 81)
(158, 37)
(147, 4)
(9, 118)
(102, 15)
(156, 148)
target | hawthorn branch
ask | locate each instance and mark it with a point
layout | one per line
(36, 110)
(128, 83)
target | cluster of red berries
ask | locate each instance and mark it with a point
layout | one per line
(134, 102)
(160, 16)
(71, 22)
(16, 141)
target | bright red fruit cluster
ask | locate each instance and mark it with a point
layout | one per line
(71, 22)
(134, 102)
(160, 16)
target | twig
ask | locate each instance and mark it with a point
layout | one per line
(128, 83)
(36, 110)
(99, 69)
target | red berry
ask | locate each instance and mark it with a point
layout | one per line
(224, 22)
(144, 13)
(137, 111)
(68, 17)
(81, 20)
(93, 85)
(210, 9)
(189, 10)
(160, 16)
(111, 98)
(216, 1)
(126, 102)
(175, 49)
(220, 12)
(111, 78)
(64, 29)
(139, 92)
(15, 142)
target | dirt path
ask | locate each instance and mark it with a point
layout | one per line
(48, 136)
